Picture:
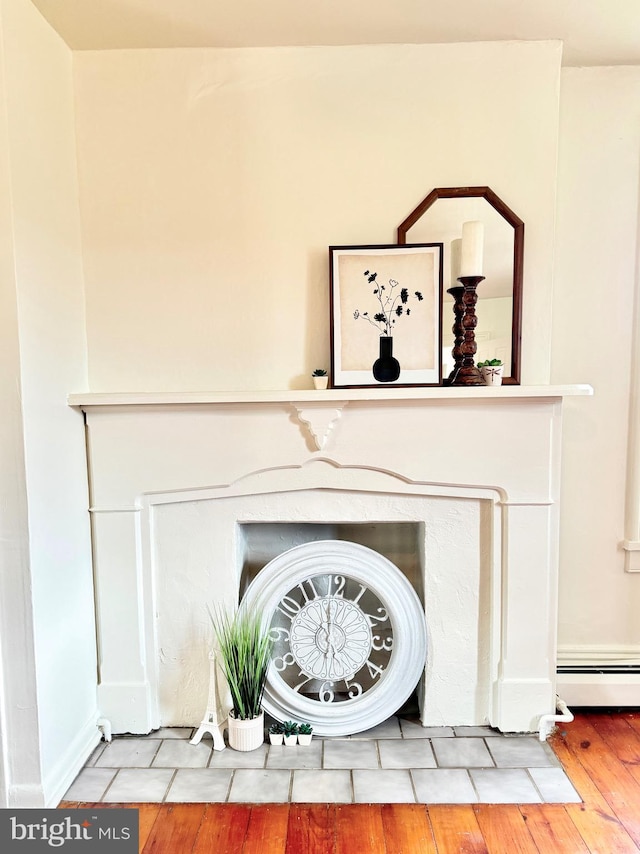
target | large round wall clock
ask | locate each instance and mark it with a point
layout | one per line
(350, 641)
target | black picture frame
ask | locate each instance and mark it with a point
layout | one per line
(386, 291)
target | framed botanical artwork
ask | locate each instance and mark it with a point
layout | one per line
(386, 306)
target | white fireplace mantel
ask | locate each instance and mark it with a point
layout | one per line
(173, 475)
(320, 410)
(87, 400)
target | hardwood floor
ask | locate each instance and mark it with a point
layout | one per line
(600, 752)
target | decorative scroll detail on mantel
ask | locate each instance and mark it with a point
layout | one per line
(319, 420)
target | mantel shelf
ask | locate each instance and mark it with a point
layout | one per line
(85, 400)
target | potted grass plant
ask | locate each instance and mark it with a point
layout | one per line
(243, 653)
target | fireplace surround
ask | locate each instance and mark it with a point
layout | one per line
(469, 477)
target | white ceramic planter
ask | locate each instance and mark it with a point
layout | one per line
(320, 382)
(492, 374)
(246, 735)
(290, 740)
(276, 737)
(304, 738)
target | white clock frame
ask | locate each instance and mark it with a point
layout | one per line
(406, 662)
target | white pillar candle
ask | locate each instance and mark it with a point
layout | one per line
(456, 249)
(472, 248)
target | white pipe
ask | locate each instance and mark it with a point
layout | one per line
(104, 725)
(547, 722)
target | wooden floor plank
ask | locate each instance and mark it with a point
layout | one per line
(608, 773)
(148, 815)
(456, 831)
(267, 829)
(407, 829)
(501, 822)
(176, 831)
(311, 829)
(359, 829)
(623, 740)
(552, 829)
(223, 829)
(595, 820)
(578, 775)
(632, 719)
(602, 833)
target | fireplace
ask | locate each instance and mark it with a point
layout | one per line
(192, 495)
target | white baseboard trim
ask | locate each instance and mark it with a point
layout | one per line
(599, 689)
(25, 796)
(62, 775)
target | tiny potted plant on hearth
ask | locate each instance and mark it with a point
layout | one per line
(290, 732)
(320, 378)
(244, 648)
(491, 370)
(304, 734)
(276, 733)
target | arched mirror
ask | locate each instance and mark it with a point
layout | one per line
(439, 218)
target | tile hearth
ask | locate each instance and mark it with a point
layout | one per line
(397, 762)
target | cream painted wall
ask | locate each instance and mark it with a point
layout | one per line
(19, 753)
(595, 282)
(47, 331)
(213, 181)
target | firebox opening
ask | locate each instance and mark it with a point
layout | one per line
(400, 542)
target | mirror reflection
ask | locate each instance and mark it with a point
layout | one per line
(439, 219)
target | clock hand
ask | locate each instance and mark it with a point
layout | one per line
(328, 626)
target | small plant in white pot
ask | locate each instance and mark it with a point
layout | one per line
(305, 732)
(276, 733)
(244, 652)
(320, 378)
(491, 370)
(290, 732)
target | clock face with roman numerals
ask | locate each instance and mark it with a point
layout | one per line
(349, 636)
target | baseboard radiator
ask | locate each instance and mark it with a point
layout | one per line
(597, 677)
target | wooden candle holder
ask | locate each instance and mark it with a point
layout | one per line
(458, 332)
(466, 373)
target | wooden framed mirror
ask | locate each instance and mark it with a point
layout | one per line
(439, 217)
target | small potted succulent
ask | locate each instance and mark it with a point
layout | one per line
(290, 730)
(491, 370)
(320, 378)
(276, 733)
(304, 734)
